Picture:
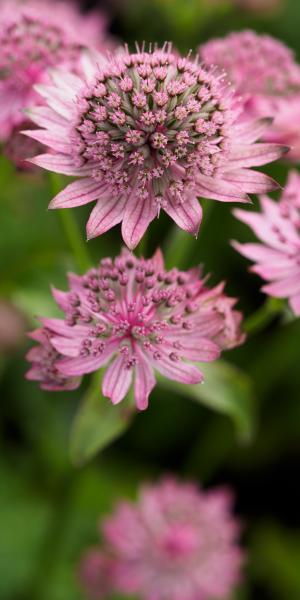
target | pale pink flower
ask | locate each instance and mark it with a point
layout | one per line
(176, 542)
(43, 369)
(140, 318)
(277, 258)
(36, 35)
(264, 71)
(149, 131)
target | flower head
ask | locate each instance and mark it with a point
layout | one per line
(150, 131)
(277, 258)
(175, 543)
(264, 71)
(35, 36)
(139, 318)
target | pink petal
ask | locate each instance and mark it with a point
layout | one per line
(258, 252)
(252, 182)
(107, 213)
(277, 271)
(66, 80)
(43, 116)
(52, 139)
(77, 193)
(60, 163)
(204, 351)
(61, 298)
(187, 214)
(139, 212)
(59, 100)
(219, 189)
(284, 288)
(144, 381)
(262, 227)
(60, 327)
(254, 155)
(72, 367)
(249, 132)
(117, 380)
(67, 346)
(178, 371)
(158, 260)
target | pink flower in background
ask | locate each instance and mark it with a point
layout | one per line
(34, 36)
(18, 148)
(176, 542)
(149, 131)
(95, 574)
(264, 71)
(43, 358)
(138, 318)
(277, 258)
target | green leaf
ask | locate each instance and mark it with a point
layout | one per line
(97, 424)
(227, 390)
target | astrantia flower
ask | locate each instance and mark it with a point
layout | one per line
(149, 131)
(264, 71)
(175, 543)
(277, 258)
(34, 36)
(139, 318)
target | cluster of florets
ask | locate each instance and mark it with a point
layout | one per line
(175, 543)
(144, 318)
(278, 256)
(264, 71)
(149, 121)
(34, 37)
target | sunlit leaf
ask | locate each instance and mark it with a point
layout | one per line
(227, 390)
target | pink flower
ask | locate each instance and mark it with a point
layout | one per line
(176, 542)
(138, 318)
(43, 369)
(95, 574)
(148, 131)
(36, 35)
(277, 258)
(18, 148)
(264, 71)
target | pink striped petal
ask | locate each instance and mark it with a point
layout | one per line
(60, 327)
(250, 131)
(218, 189)
(254, 155)
(72, 367)
(117, 380)
(144, 381)
(61, 298)
(187, 214)
(107, 213)
(252, 182)
(139, 212)
(67, 346)
(258, 252)
(77, 193)
(283, 288)
(52, 139)
(178, 371)
(204, 351)
(43, 116)
(61, 163)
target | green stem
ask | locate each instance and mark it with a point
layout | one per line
(264, 315)
(70, 227)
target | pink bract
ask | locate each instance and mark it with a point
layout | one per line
(277, 258)
(265, 73)
(138, 318)
(176, 542)
(145, 132)
(36, 35)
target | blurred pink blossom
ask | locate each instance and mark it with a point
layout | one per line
(138, 318)
(277, 258)
(176, 542)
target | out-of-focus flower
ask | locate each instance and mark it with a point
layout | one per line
(18, 148)
(149, 131)
(36, 35)
(95, 574)
(43, 368)
(176, 542)
(265, 73)
(260, 6)
(12, 327)
(277, 258)
(140, 318)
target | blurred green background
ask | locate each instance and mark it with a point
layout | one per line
(243, 432)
